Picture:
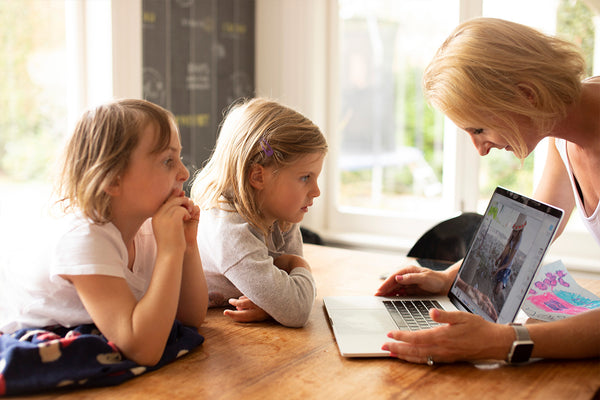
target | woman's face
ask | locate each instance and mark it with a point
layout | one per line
(484, 139)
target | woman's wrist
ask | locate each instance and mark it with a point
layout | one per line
(449, 276)
(503, 341)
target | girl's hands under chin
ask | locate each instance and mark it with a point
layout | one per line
(190, 225)
(176, 222)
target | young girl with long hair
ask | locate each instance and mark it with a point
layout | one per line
(253, 192)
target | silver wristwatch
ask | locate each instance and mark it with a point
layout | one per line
(522, 347)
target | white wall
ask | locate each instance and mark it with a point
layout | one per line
(291, 67)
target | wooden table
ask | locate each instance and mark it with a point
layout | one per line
(269, 361)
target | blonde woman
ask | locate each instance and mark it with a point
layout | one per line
(254, 191)
(509, 86)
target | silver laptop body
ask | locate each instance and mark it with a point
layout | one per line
(492, 282)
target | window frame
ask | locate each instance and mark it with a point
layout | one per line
(372, 229)
(295, 65)
(384, 229)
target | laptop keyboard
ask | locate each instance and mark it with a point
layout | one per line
(412, 315)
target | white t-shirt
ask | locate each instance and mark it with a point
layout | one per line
(37, 296)
(592, 222)
(236, 260)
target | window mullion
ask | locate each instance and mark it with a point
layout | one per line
(470, 9)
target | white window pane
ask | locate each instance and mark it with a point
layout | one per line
(33, 122)
(391, 142)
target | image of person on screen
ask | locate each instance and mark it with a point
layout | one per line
(504, 262)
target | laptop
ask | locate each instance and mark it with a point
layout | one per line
(492, 282)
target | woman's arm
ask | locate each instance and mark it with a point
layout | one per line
(468, 337)
(573, 337)
(554, 186)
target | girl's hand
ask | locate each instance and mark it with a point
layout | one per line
(190, 225)
(464, 336)
(168, 223)
(413, 280)
(246, 311)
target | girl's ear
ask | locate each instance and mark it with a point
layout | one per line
(257, 176)
(114, 188)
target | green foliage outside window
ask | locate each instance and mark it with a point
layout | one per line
(31, 122)
(574, 23)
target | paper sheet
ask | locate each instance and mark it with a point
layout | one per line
(555, 295)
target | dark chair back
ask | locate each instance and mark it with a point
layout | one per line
(310, 237)
(449, 240)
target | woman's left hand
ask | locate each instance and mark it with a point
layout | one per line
(464, 336)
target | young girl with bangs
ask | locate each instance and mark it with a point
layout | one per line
(126, 258)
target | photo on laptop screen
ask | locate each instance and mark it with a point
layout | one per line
(504, 256)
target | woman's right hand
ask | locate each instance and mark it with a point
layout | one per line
(413, 280)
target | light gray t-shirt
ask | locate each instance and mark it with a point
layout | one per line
(237, 262)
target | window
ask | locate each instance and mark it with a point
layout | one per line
(54, 65)
(33, 99)
(400, 165)
(391, 158)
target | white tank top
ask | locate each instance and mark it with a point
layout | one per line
(591, 222)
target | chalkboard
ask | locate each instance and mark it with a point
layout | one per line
(198, 58)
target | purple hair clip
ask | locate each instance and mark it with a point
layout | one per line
(266, 147)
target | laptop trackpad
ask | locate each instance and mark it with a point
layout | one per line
(363, 321)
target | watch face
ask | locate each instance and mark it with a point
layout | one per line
(521, 352)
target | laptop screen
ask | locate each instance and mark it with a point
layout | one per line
(504, 256)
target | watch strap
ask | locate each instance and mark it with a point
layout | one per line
(521, 332)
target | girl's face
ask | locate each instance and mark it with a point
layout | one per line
(285, 194)
(150, 178)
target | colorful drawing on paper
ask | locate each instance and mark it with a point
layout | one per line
(554, 294)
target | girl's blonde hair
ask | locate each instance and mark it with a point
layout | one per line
(489, 70)
(99, 151)
(256, 131)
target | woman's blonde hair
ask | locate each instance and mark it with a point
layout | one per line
(256, 131)
(489, 70)
(99, 151)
